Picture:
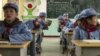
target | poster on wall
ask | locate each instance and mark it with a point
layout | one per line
(32, 8)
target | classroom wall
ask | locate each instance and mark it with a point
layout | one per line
(21, 9)
(2, 3)
(0, 8)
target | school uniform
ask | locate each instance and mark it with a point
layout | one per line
(80, 34)
(18, 32)
(40, 28)
(31, 25)
(83, 31)
(68, 26)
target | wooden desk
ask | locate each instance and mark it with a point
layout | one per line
(14, 50)
(69, 37)
(0, 55)
(69, 43)
(69, 33)
(32, 45)
(86, 49)
(34, 31)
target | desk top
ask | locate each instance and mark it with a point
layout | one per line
(34, 31)
(69, 33)
(81, 43)
(24, 45)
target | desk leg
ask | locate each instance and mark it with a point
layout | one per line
(87, 51)
(78, 51)
(23, 52)
(32, 46)
(13, 51)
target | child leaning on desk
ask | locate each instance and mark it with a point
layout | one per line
(88, 28)
(39, 24)
(11, 28)
(71, 27)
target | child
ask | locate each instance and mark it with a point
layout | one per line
(78, 19)
(68, 23)
(11, 28)
(89, 27)
(61, 23)
(39, 24)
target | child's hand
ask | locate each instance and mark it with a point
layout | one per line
(37, 23)
(62, 26)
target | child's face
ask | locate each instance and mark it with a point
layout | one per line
(93, 20)
(60, 21)
(78, 22)
(65, 17)
(42, 17)
(10, 14)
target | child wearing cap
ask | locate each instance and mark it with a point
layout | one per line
(61, 23)
(68, 23)
(38, 24)
(89, 27)
(11, 28)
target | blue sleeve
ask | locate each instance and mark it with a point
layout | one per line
(69, 24)
(29, 24)
(42, 24)
(24, 35)
(76, 34)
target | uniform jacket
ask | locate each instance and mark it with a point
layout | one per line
(18, 33)
(80, 34)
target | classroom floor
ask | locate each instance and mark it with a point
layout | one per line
(50, 47)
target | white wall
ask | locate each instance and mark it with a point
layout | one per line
(43, 6)
(0, 9)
